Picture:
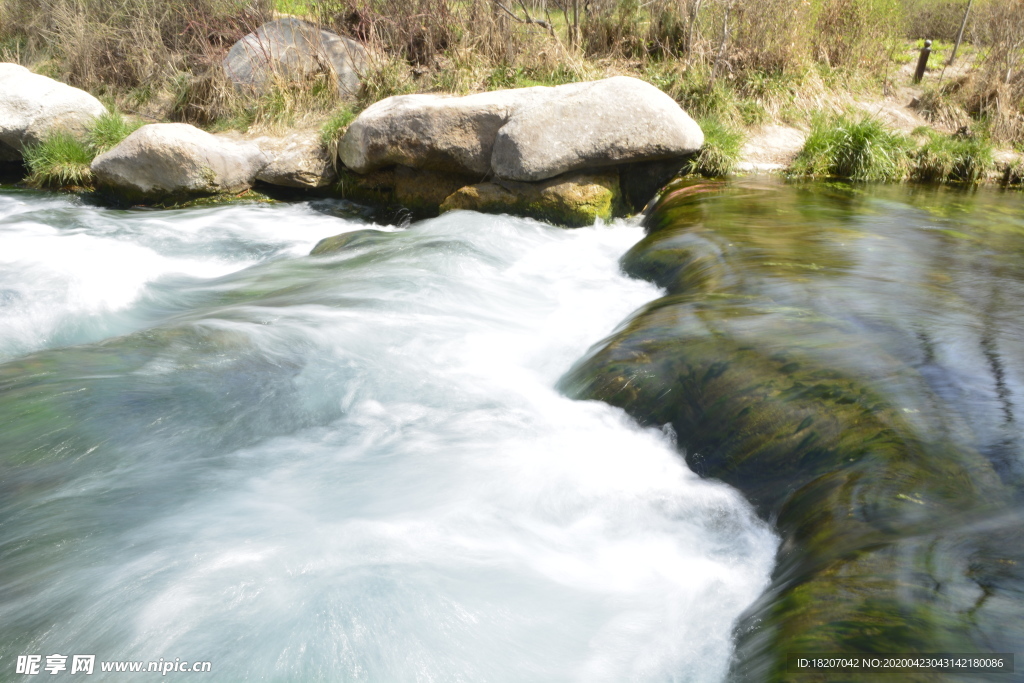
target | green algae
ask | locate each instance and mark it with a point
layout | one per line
(873, 481)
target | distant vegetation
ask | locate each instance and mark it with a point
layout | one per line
(737, 62)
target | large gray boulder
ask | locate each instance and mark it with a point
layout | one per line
(434, 132)
(32, 106)
(296, 160)
(522, 134)
(294, 50)
(170, 161)
(602, 123)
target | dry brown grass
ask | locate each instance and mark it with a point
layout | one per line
(745, 61)
(102, 45)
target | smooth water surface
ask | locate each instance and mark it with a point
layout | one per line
(344, 468)
(852, 359)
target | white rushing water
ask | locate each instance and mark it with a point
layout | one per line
(344, 468)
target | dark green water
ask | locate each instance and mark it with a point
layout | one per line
(852, 359)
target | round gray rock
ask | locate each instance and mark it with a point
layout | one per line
(170, 160)
(294, 50)
(601, 123)
(32, 106)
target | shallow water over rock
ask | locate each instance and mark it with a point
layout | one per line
(851, 358)
(352, 467)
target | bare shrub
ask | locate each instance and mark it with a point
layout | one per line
(935, 19)
(100, 44)
(994, 90)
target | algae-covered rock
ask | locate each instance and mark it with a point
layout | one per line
(774, 386)
(574, 200)
(423, 192)
(348, 240)
(374, 188)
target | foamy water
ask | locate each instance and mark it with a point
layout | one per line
(343, 468)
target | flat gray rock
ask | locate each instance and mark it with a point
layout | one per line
(294, 50)
(588, 125)
(32, 106)
(163, 161)
(433, 132)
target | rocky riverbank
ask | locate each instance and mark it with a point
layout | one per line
(570, 154)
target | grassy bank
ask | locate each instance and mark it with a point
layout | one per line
(861, 148)
(741, 63)
(730, 64)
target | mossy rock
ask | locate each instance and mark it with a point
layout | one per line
(574, 200)
(417, 192)
(878, 514)
(377, 188)
(349, 240)
(423, 192)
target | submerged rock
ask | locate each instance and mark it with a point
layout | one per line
(32, 106)
(349, 240)
(879, 501)
(294, 50)
(573, 200)
(164, 162)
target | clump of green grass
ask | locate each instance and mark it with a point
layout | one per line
(946, 158)
(857, 149)
(720, 151)
(108, 130)
(63, 160)
(334, 128)
(60, 160)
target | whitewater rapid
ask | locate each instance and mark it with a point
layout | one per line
(352, 467)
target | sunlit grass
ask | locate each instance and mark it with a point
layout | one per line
(59, 160)
(857, 149)
(720, 151)
(947, 157)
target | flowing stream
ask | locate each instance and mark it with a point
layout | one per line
(214, 447)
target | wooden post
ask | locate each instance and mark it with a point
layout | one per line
(960, 35)
(922, 61)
